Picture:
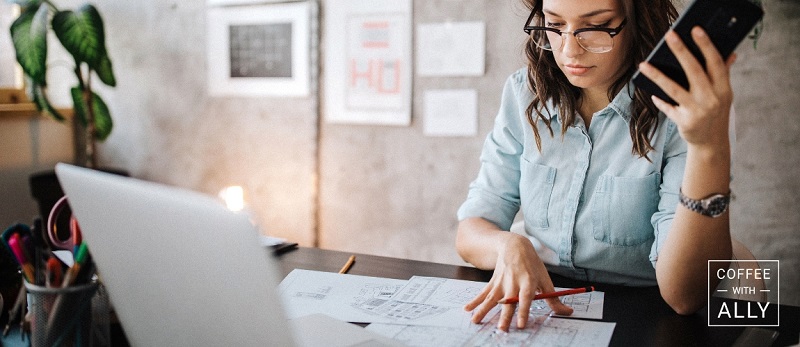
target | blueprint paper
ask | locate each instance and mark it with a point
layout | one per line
(362, 299)
(350, 298)
(540, 331)
(429, 311)
(584, 305)
(452, 292)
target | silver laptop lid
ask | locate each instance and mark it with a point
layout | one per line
(180, 269)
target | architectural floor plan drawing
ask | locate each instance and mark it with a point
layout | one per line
(429, 311)
(545, 331)
(584, 305)
(340, 296)
(540, 331)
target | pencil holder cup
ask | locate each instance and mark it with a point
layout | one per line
(70, 316)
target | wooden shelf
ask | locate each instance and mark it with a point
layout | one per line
(27, 109)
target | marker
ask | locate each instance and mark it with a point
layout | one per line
(53, 278)
(72, 273)
(550, 295)
(16, 247)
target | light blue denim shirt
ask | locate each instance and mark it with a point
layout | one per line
(592, 209)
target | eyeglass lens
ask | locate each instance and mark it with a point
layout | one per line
(592, 41)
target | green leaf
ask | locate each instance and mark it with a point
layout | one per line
(43, 104)
(81, 33)
(102, 119)
(29, 34)
(102, 116)
(105, 72)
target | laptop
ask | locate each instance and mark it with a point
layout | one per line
(182, 270)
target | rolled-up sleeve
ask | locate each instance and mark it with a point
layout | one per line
(672, 176)
(494, 194)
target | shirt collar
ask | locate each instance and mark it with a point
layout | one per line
(621, 104)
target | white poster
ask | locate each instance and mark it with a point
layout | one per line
(451, 49)
(368, 62)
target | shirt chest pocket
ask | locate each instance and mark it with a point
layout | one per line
(622, 208)
(535, 189)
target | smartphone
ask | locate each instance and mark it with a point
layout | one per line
(727, 23)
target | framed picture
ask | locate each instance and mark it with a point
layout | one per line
(261, 50)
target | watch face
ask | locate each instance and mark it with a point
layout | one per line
(717, 205)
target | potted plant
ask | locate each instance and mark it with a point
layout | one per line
(81, 33)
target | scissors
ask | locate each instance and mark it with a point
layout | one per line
(74, 240)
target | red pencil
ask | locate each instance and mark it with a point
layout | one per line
(550, 295)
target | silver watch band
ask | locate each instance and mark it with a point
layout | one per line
(712, 206)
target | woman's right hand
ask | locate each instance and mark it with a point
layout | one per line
(518, 273)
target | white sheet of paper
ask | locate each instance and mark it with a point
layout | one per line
(428, 311)
(349, 298)
(362, 299)
(450, 112)
(457, 293)
(584, 305)
(451, 49)
(321, 330)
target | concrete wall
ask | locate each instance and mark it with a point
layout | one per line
(765, 213)
(391, 190)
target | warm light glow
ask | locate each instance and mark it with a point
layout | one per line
(233, 197)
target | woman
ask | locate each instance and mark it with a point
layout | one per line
(608, 179)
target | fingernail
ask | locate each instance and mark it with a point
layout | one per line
(670, 36)
(699, 32)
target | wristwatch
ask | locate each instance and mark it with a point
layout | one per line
(711, 206)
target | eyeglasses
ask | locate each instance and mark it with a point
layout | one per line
(595, 40)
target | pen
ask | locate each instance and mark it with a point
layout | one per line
(550, 295)
(348, 264)
(283, 247)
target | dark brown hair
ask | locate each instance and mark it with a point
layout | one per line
(648, 21)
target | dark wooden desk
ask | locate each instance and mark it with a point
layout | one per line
(642, 316)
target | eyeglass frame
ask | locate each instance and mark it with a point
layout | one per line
(610, 31)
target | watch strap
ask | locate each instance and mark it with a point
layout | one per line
(713, 205)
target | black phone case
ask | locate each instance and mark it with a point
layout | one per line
(727, 23)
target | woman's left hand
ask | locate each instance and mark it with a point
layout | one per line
(702, 113)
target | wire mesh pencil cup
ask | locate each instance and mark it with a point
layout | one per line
(71, 316)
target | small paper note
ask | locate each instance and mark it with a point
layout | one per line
(450, 112)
